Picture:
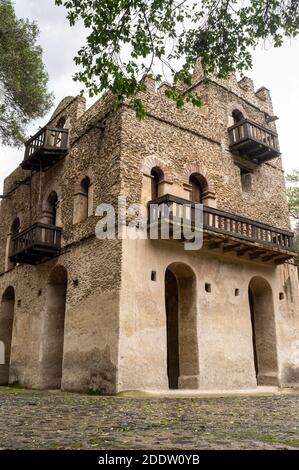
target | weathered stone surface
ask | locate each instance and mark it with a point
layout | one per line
(115, 319)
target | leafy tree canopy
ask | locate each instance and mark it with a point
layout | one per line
(128, 39)
(23, 79)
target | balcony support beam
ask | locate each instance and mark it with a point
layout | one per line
(231, 232)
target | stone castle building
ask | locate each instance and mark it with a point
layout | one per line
(81, 314)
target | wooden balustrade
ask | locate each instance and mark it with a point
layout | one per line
(45, 148)
(35, 244)
(253, 141)
(229, 226)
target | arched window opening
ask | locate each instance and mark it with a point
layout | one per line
(196, 189)
(157, 177)
(237, 116)
(85, 186)
(199, 187)
(6, 329)
(51, 209)
(61, 122)
(85, 183)
(15, 227)
(83, 201)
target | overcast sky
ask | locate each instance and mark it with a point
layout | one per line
(277, 69)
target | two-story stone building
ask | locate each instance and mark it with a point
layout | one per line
(79, 313)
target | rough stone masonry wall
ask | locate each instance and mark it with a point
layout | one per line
(198, 137)
(178, 140)
(91, 328)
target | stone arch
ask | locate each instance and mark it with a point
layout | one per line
(200, 170)
(233, 107)
(6, 330)
(238, 116)
(264, 339)
(208, 195)
(181, 326)
(155, 162)
(52, 342)
(83, 197)
(84, 174)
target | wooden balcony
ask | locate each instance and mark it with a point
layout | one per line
(254, 142)
(36, 244)
(45, 149)
(224, 232)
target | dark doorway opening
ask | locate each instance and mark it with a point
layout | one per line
(172, 322)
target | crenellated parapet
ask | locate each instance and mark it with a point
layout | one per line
(243, 88)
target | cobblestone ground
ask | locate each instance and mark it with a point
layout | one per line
(55, 420)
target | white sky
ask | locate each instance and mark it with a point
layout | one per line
(277, 69)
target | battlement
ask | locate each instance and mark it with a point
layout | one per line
(244, 88)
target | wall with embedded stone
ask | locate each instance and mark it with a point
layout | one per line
(93, 266)
(114, 312)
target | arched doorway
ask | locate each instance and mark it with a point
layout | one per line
(181, 327)
(6, 326)
(263, 331)
(53, 329)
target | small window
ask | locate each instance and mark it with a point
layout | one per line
(208, 287)
(237, 292)
(246, 180)
(154, 275)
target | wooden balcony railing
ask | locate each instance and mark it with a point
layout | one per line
(253, 141)
(45, 148)
(37, 243)
(254, 237)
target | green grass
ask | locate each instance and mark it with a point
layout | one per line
(13, 390)
(277, 440)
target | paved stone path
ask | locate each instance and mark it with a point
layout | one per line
(56, 420)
